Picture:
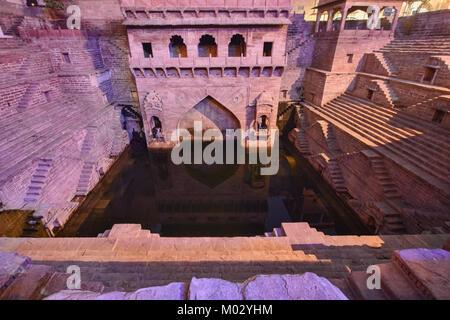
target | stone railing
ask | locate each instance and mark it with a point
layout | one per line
(212, 12)
(170, 4)
(191, 62)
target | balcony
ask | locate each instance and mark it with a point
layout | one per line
(216, 67)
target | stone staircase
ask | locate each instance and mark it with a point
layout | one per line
(439, 45)
(336, 176)
(388, 92)
(128, 260)
(84, 182)
(419, 147)
(28, 96)
(387, 65)
(120, 139)
(38, 180)
(298, 137)
(419, 274)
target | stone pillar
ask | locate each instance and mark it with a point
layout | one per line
(330, 19)
(344, 16)
(394, 23)
(317, 21)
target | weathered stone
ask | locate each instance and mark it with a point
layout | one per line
(73, 295)
(12, 263)
(429, 269)
(29, 284)
(173, 291)
(308, 286)
(447, 244)
(214, 289)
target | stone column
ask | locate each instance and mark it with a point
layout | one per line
(344, 16)
(394, 23)
(317, 21)
(330, 19)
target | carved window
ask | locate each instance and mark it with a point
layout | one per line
(237, 47)
(207, 46)
(147, 47)
(177, 48)
(267, 50)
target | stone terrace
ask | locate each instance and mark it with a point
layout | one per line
(130, 258)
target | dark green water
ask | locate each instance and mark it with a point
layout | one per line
(201, 200)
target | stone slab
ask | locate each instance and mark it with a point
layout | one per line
(214, 289)
(11, 264)
(308, 286)
(429, 267)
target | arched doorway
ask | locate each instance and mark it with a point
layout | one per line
(212, 115)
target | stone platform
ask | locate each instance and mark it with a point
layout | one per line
(128, 258)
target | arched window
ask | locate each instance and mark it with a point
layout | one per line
(356, 19)
(237, 47)
(337, 18)
(207, 46)
(386, 18)
(323, 21)
(156, 128)
(177, 48)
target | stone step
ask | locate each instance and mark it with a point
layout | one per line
(413, 124)
(392, 134)
(436, 171)
(428, 270)
(358, 285)
(383, 120)
(28, 285)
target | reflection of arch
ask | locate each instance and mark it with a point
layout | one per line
(212, 114)
(337, 17)
(323, 21)
(207, 46)
(177, 48)
(356, 19)
(237, 47)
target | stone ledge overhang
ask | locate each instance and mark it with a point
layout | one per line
(206, 16)
(199, 62)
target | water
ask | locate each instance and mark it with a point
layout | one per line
(206, 200)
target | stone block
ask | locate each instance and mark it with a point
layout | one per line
(308, 286)
(429, 269)
(214, 289)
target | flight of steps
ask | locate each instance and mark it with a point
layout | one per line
(120, 139)
(28, 95)
(390, 190)
(298, 135)
(38, 180)
(89, 165)
(419, 274)
(127, 231)
(427, 45)
(416, 145)
(336, 176)
(21, 280)
(277, 232)
(388, 92)
(387, 65)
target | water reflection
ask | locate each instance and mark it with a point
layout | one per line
(199, 200)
